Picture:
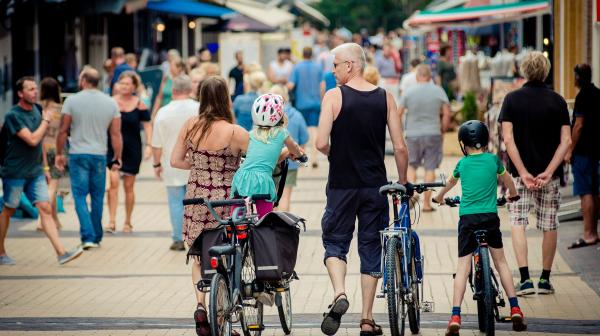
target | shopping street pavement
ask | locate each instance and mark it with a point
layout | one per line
(134, 285)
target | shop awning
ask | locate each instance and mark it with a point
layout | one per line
(506, 12)
(189, 7)
(312, 12)
(269, 15)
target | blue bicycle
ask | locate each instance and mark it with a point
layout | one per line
(402, 262)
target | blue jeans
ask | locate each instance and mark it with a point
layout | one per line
(88, 177)
(175, 195)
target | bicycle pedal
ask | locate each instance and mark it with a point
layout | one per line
(256, 327)
(427, 306)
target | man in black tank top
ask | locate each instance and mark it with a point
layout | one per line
(351, 133)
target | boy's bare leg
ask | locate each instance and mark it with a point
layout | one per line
(460, 280)
(502, 267)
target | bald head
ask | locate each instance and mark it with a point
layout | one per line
(423, 73)
(351, 52)
(89, 77)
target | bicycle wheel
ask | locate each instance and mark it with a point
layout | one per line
(414, 306)
(251, 316)
(488, 292)
(393, 286)
(220, 306)
(283, 300)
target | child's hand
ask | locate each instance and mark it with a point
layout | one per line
(439, 199)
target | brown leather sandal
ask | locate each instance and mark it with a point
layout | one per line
(376, 328)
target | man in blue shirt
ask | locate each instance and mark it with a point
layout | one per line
(118, 56)
(305, 80)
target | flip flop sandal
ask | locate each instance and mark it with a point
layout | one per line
(376, 328)
(581, 243)
(332, 319)
(201, 319)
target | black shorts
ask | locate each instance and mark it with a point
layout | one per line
(344, 207)
(467, 226)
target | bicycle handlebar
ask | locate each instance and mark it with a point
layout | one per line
(235, 216)
(408, 188)
(455, 201)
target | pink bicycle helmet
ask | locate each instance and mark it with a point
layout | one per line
(267, 110)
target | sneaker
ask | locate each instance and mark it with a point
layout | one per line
(88, 245)
(6, 260)
(70, 255)
(525, 288)
(453, 326)
(518, 319)
(177, 246)
(545, 287)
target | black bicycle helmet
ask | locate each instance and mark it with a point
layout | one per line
(473, 133)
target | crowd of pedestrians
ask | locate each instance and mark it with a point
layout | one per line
(340, 102)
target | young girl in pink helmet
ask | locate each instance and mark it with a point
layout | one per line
(267, 139)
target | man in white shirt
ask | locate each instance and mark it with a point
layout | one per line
(167, 124)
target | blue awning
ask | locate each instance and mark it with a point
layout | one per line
(189, 7)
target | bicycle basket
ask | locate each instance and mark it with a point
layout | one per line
(206, 240)
(275, 240)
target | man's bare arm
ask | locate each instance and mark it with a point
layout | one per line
(563, 147)
(115, 138)
(63, 133)
(326, 121)
(445, 118)
(394, 122)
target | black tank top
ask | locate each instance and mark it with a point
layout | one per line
(356, 156)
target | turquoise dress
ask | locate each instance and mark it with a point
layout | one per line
(255, 176)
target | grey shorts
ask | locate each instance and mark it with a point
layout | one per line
(425, 151)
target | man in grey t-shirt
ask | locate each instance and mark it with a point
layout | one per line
(427, 116)
(87, 116)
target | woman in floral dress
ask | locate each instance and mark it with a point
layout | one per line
(210, 146)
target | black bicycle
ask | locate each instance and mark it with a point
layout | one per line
(484, 285)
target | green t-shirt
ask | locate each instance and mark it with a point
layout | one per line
(22, 161)
(478, 175)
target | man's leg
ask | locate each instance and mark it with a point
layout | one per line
(97, 182)
(549, 248)
(50, 229)
(589, 218)
(373, 216)
(519, 219)
(4, 222)
(175, 196)
(429, 177)
(547, 202)
(80, 187)
(337, 274)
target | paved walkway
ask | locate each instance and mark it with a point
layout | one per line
(133, 285)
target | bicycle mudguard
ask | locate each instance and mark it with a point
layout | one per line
(417, 256)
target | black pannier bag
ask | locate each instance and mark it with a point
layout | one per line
(275, 242)
(207, 239)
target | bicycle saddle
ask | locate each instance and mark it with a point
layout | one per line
(392, 188)
(217, 251)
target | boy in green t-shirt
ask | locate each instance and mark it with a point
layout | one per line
(478, 172)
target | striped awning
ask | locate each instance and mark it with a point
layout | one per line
(478, 13)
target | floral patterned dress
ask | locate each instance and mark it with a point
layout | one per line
(210, 178)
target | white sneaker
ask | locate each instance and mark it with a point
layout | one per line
(88, 245)
(6, 260)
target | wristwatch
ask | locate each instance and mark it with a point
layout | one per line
(113, 162)
(156, 165)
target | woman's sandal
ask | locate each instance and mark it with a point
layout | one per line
(332, 319)
(376, 328)
(127, 228)
(111, 227)
(201, 319)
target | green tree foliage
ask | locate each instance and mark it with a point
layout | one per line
(370, 14)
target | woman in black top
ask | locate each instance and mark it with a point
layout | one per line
(133, 113)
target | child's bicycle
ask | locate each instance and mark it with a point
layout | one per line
(484, 285)
(402, 262)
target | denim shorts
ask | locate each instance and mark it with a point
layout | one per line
(36, 190)
(585, 175)
(343, 207)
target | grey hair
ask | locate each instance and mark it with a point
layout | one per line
(352, 52)
(182, 84)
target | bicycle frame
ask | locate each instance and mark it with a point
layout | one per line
(402, 229)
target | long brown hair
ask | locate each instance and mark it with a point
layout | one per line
(50, 90)
(215, 106)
